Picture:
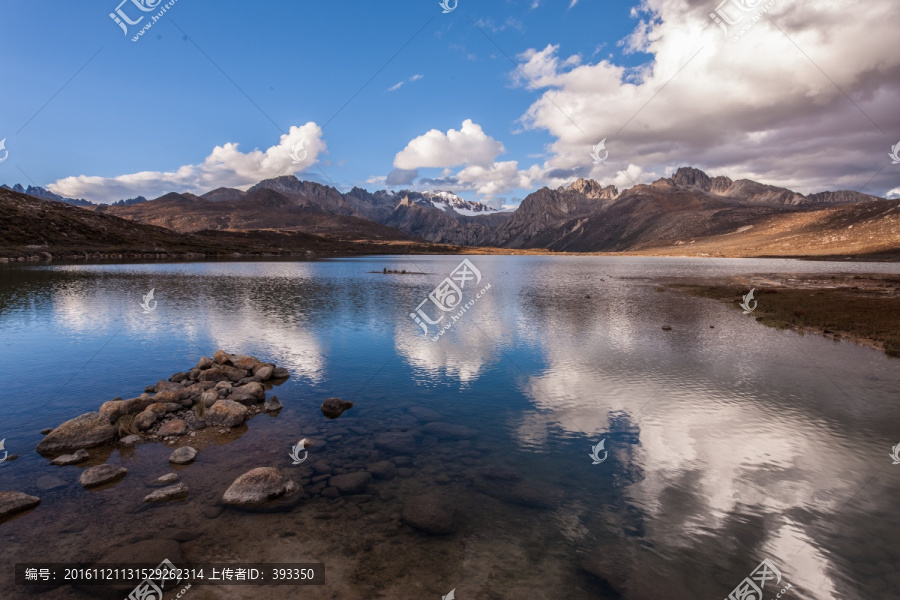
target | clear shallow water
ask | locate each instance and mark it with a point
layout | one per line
(727, 445)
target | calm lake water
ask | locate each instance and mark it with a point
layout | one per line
(724, 446)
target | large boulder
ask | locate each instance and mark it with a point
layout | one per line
(251, 393)
(430, 513)
(226, 413)
(223, 373)
(351, 483)
(86, 431)
(12, 503)
(103, 474)
(222, 357)
(333, 407)
(258, 486)
(114, 409)
(204, 363)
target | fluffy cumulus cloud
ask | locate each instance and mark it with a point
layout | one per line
(225, 166)
(768, 105)
(802, 95)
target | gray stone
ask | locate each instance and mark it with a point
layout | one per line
(173, 427)
(209, 397)
(223, 373)
(205, 363)
(322, 468)
(15, 502)
(264, 373)
(183, 456)
(333, 407)
(101, 475)
(86, 431)
(273, 404)
(251, 393)
(258, 486)
(351, 483)
(168, 478)
(280, 373)
(172, 492)
(146, 420)
(130, 440)
(430, 513)
(70, 459)
(46, 430)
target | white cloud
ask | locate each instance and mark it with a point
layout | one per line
(399, 84)
(468, 146)
(225, 166)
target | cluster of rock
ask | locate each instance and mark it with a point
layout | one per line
(220, 391)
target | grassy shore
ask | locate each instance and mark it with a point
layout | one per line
(861, 308)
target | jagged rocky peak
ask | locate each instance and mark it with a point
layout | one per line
(592, 189)
(446, 201)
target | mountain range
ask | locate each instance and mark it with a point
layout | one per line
(678, 214)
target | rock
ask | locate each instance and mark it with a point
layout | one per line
(146, 420)
(273, 404)
(86, 431)
(264, 373)
(223, 373)
(167, 397)
(70, 459)
(330, 492)
(258, 486)
(179, 377)
(227, 413)
(223, 385)
(425, 414)
(448, 430)
(173, 427)
(280, 373)
(172, 492)
(517, 491)
(205, 363)
(251, 393)
(162, 385)
(430, 513)
(46, 430)
(383, 469)
(322, 468)
(168, 478)
(333, 407)
(404, 442)
(101, 475)
(351, 483)
(246, 380)
(667, 328)
(242, 361)
(209, 397)
(194, 375)
(222, 357)
(183, 456)
(49, 482)
(12, 503)
(130, 440)
(261, 365)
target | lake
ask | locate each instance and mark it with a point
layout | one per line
(724, 442)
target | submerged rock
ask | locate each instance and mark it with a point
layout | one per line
(334, 407)
(401, 442)
(70, 459)
(258, 486)
(430, 513)
(383, 469)
(49, 482)
(12, 503)
(130, 440)
(183, 456)
(86, 431)
(172, 492)
(448, 430)
(351, 483)
(101, 475)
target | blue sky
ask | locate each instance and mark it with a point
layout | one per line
(137, 110)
